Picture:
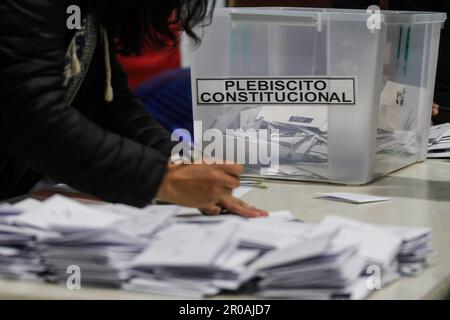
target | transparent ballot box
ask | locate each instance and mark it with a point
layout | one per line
(341, 96)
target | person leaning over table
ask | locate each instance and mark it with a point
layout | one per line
(68, 114)
(442, 89)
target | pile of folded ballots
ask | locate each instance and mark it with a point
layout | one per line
(172, 250)
(439, 141)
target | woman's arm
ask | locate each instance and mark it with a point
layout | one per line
(39, 129)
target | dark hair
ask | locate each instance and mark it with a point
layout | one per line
(157, 22)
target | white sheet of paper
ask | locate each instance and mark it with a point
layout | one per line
(28, 204)
(439, 131)
(312, 247)
(438, 155)
(304, 116)
(444, 146)
(408, 233)
(375, 243)
(356, 291)
(60, 212)
(274, 231)
(352, 197)
(260, 236)
(142, 226)
(186, 289)
(7, 209)
(187, 245)
(236, 259)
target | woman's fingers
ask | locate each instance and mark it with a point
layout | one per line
(241, 208)
(212, 211)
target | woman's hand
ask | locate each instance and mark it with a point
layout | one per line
(199, 185)
(206, 186)
(235, 206)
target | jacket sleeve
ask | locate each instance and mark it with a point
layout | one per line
(38, 128)
(127, 116)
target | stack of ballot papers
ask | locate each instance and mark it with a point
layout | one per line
(398, 142)
(414, 250)
(439, 141)
(278, 257)
(19, 258)
(101, 240)
(206, 255)
(177, 251)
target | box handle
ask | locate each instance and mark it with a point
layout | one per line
(280, 19)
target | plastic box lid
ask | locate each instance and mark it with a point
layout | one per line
(294, 15)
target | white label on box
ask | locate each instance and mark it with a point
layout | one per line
(277, 91)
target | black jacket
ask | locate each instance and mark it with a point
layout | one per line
(112, 150)
(442, 90)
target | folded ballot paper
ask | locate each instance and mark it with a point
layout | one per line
(439, 141)
(355, 198)
(18, 256)
(177, 251)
